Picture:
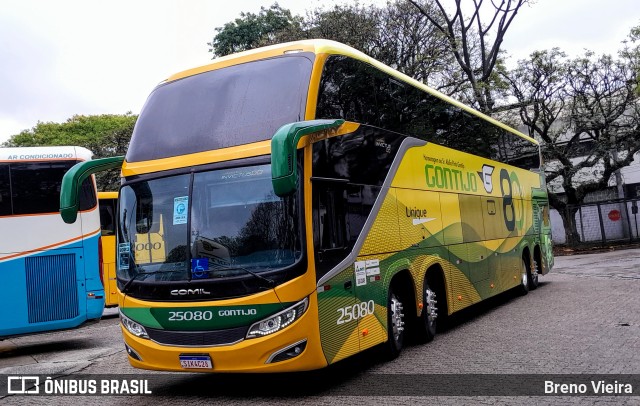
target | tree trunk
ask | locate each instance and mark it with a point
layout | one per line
(570, 226)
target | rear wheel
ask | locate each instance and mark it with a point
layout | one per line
(533, 281)
(426, 326)
(395, 324)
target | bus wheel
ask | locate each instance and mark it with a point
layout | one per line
(533, 281)
(524, 278)
(426, 328)
(395, 324)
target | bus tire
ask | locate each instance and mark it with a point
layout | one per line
(426, 326)
(395, 324)
(525, 277)
(533, 281)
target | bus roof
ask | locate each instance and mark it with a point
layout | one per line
(323, 46)
(46, 153)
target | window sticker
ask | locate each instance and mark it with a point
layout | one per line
(180, 205)
(361, 276)
(124, 253)
(199, 267)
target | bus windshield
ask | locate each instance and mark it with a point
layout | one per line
(207, 226)
(222, 108)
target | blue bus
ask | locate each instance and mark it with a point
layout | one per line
(50, 270)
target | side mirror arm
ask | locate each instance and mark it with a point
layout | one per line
(284, 143)
(72, 183)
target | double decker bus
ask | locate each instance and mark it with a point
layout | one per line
(308, 203)
(49, 269)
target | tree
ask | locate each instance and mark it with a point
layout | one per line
(475, 44)
(105, 135)
(251, 30)
(398, 35)
(586, 112)
(411, 44)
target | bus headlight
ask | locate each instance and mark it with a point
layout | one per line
(279, 320)
(134, 328)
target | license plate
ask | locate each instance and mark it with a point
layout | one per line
(195, 362)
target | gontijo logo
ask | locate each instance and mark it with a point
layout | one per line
(452, 179)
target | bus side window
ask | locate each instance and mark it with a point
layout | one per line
(330, 219)
(88, 198)
(5, 191)
(329, 224)
(107, 222)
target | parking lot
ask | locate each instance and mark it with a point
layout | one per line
(584, 318)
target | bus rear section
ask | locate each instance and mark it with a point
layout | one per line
(49, 269)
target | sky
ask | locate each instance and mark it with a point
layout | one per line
(66, 57)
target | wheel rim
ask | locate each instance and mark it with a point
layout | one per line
(397, 324)
(525, 278)
(431, 309)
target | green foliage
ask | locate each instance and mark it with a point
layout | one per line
(251, 30)
(105, 135)
(397, 34)
(352, 24)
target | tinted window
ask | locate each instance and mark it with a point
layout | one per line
(222, 108)
(345, 188)
(88, 198)
(5, 190)
(34, 188)
(107, 216)
(216, 229)
(342, 157)
(356, 91)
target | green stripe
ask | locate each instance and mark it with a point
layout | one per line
(202, 318)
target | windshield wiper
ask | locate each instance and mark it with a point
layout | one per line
(135, 277)
(270, 283)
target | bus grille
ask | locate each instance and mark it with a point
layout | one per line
(197, 338)
(52, 290)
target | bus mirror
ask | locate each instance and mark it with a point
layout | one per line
(284, 143)
(72, 182)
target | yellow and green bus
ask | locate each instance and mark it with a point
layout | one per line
(303, 202)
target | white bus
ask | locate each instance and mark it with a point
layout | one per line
(50, 270)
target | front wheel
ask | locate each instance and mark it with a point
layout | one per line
(525, 276)
(395, 324)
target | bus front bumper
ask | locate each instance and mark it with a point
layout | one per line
(295, 348)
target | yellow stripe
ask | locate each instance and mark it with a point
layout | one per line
(200, 158)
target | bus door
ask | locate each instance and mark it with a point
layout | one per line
(336, 296)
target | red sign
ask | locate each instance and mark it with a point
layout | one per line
(614, 215)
